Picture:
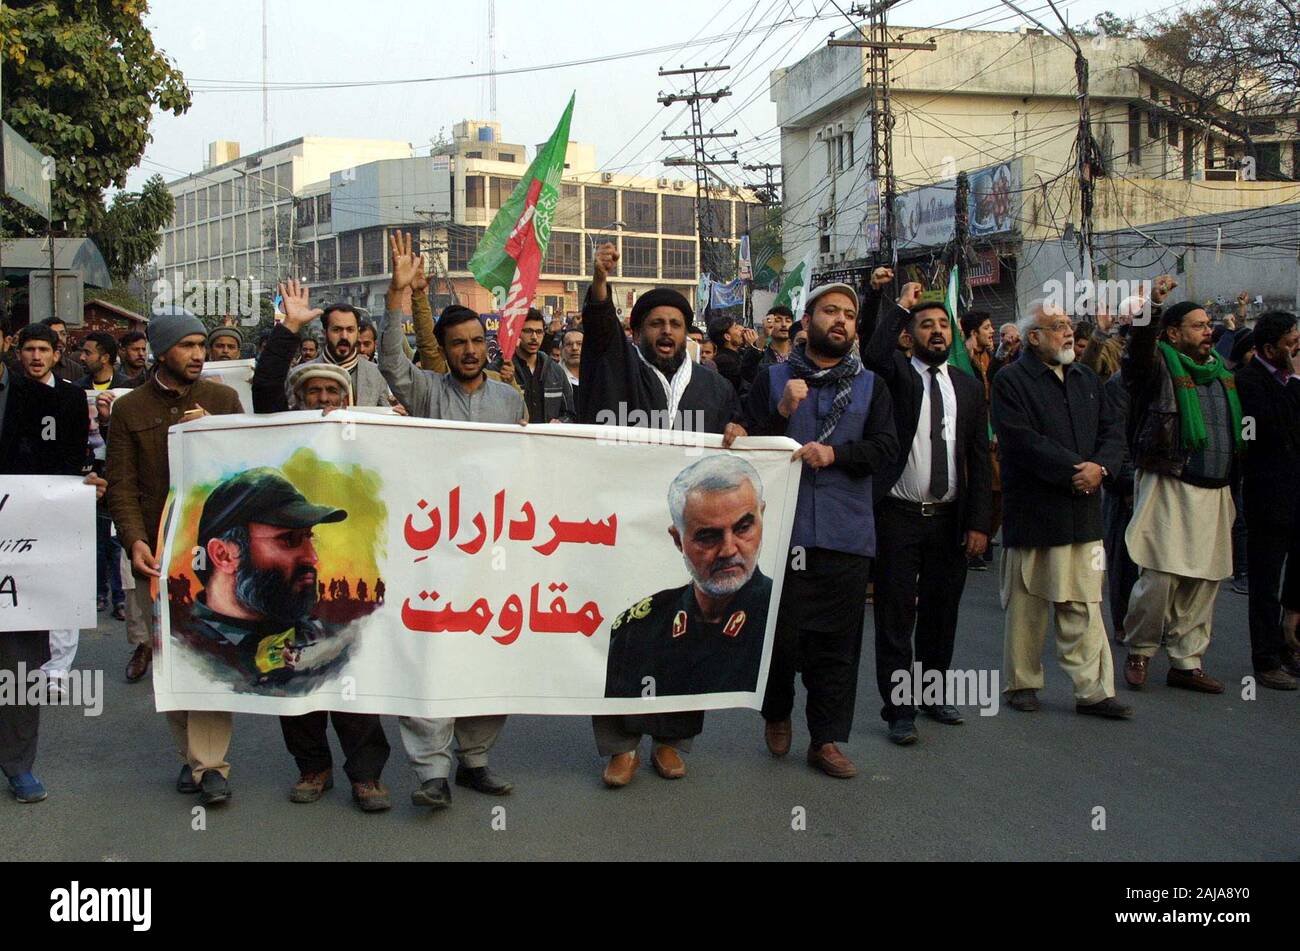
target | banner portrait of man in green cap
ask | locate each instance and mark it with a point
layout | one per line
(258, 567)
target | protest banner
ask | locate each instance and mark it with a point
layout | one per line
(236, 374)
(381, 564)
(47, 538)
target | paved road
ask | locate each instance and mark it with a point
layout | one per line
(1190, 778)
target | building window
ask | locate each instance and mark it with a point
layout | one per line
(1268, 161)
(326, 260)
(848, 145)
(679, 215)
(1209, 151)
(640, 257)
(568, 213)
(1134, 136)
(641, 211)
(601, 208)
(323, 209)
(1153, 125)
(349, 254)
(305, 262)
(1189, 152)
(461, 242)
(284, 179)
(501, 191)
(720, 218)
(227, 197)
(564, 253)
(474, 191)
(372, 251)
(506, 157)
(1173, 133)
(679, 260)
(307, 213)
(1295, 160)
(477, 155)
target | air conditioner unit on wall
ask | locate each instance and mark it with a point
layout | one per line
(571, 287)
(662, 183)
(606, 177)
(678, 185)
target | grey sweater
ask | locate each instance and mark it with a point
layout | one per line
(437, 395)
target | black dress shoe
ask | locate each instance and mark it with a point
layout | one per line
(213, 788)
(435, 794)
(903, 732)
(1110, 708)
(481, 780)
(944, 713)
(185, 781)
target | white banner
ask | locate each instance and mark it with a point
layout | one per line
(47, 553)
(237, 374)
(389, 565)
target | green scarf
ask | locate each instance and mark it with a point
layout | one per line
(1187, 374)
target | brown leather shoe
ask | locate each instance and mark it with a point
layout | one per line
(620, 770)
(668, 762)
(138, 665)
(1135, 670)
(1024, 700)
(777, 736)
(1276, 679)
(831, 761)
(311, 786)
(371, 796)
(1197, 680)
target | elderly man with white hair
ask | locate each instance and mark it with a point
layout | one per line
(1059, 437)
(707, 635)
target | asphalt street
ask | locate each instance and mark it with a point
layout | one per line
(1191, 777)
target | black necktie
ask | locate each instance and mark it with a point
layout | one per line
(938, 448)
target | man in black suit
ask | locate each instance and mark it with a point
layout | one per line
(933, 506)
(43, 431)
(1270, 402)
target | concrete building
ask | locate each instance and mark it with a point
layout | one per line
(451, 196)
(1002, 107)
(328, 205)
(236, 217)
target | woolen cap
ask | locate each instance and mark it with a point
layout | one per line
(168, 326)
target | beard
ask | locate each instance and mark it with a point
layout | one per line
(717, 587)
(665, 365)
(823, 344)
(1065, 357)
(930, 357)
(267, 592)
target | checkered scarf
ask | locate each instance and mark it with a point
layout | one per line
(842, 374)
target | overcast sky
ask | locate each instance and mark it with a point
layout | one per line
(219, 49)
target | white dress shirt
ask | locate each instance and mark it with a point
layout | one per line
(914, 484)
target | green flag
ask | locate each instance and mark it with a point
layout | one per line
(509, 258)
(794, 289)
(957, 355)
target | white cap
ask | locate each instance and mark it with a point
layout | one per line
(816, 292)
(303, 372)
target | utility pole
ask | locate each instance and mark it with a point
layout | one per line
(961, 242)
(1085, 147)
(876, 40)
(713, 257)
(436, 248)
(492, 59)
(266, 112)
(768, 192)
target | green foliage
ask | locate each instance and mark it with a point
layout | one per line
(130, 230)
(121, 295)
(81, 79)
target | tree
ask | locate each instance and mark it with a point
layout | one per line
(1242, 55)
(81, 79)
(130, 230)
(1107, 23)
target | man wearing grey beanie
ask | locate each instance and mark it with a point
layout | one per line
(138, 479)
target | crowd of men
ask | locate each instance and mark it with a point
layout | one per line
(1134, 458)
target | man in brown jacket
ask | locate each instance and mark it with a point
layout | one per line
(138, 480)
